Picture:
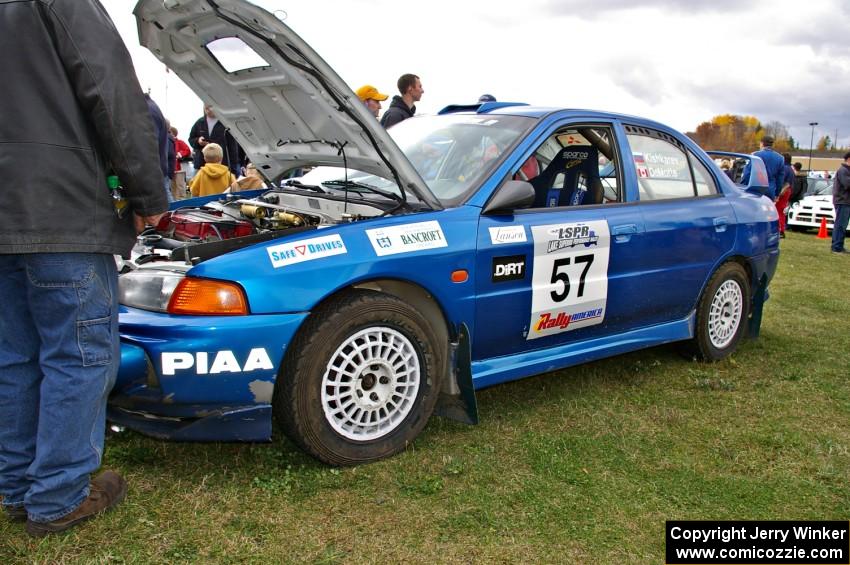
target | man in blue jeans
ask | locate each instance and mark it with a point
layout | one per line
(841, 201)
(78, 114)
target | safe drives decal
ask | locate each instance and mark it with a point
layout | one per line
(569, 280)
(306, 250)
(406, 238)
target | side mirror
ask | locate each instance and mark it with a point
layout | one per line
(509, 196)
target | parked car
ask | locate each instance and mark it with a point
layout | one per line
(816, 205)
(457, 251)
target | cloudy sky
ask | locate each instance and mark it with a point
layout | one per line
(680, 62)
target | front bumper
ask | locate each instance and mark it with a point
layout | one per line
(199, 378)
(811, 215)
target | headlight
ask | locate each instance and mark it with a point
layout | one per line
(174, 293)
(148, 289)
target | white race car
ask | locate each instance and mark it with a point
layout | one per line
(815, 205)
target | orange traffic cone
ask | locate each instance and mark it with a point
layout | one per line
(822, 230)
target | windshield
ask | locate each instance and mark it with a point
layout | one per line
(453, 154)
(818, 187)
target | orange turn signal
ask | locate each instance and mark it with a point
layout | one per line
(460, 276)
(204, 297)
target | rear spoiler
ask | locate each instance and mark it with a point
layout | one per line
(481, 108)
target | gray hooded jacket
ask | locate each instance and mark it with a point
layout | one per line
(841, 185)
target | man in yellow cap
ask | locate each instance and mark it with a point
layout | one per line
(370, 96)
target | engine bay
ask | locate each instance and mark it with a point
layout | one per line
(195, 233)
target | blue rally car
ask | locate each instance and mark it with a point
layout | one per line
(457, 251)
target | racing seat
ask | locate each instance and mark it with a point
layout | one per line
(580, 183)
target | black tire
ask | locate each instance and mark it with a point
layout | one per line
(325, 417)
(722, 314)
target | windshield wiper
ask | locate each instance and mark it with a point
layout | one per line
(355, 186)
(299, 184)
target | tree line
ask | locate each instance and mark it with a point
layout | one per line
(741, 134)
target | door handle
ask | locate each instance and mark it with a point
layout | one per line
(721, 223)
(624, 232)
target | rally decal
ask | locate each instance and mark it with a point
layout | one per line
(306, 250)
(507, 234)
(569, 281)
(406, 238)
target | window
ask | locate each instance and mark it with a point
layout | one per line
(574, 166)
(661, 164)
(704, 181)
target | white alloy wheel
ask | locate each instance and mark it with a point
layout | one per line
(370, 383)
(725, 313)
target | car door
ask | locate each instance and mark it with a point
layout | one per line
(560, 272)
(689, 224)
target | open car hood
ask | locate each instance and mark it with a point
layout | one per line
(281, 101)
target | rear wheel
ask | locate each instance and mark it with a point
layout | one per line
(361, 379)
(721, 314)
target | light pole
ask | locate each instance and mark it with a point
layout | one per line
(811, 143)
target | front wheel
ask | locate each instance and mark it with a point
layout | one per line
(361, 379)
(721, 314)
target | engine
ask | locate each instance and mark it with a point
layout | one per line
(241, 221)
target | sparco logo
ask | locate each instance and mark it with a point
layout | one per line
(575, 155)
(510, 268)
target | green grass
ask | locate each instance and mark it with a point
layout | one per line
(582, 465)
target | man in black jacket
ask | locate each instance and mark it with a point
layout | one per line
(841, 201)
(403, 107)
(801, 183)
(208, 129)
(76, 112)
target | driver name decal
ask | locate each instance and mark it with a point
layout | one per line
(569, 281)
(306, 250)
(406, 238)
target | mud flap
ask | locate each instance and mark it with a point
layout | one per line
(457, 398)
(759, 298)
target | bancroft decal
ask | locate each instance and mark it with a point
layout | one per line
(306, 250)
(222, 362)
(507, 234)
(406, 238)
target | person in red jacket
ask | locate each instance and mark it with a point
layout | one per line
(184, 161)
(785, 187)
